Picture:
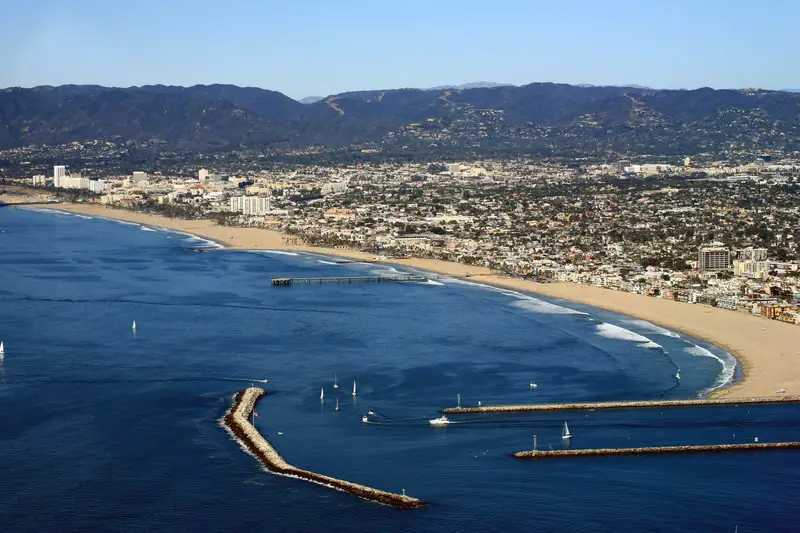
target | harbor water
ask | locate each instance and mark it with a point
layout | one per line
(105, 428)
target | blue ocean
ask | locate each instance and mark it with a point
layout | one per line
(107, 429)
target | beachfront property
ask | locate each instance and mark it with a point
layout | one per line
(702, 242)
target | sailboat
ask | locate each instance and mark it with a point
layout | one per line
(566, 434)
(678, 374)
(354, 388)
(2, 349)
(133, 327)
(337, 404)
(335, 382)
(533, 385)
(322, 394)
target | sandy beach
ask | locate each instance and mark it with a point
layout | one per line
(768, 351)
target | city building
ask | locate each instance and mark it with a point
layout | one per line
(59, 171)
(139, 177)
(751, 254)
(97, 186)
(250, 205)
(710, 259)
(39, 179)
(202, 175)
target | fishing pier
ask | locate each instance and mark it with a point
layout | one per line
(590, 406)
(598, 452)
(236, 421)
(288, 282)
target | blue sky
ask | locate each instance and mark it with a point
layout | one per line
(321, 47)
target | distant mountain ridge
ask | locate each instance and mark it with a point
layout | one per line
(538, 118)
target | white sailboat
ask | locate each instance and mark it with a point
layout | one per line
(133, 327)
(335, 382)
(566, 434)
(678, 374)
(354, 388)
(533, 385)
(2, 349)
(337, 404)
(322, 394)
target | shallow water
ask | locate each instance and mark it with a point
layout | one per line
(106, 430)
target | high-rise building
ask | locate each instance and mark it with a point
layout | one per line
(39, 179)
(751, 254)
(250, 205)
(139, 177)
(59, 171)
(202, 175)
(710, 259)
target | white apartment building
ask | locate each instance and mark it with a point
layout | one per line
(59, 171)
(97, 186)
(202, 175)
(139, 177)
(39, 179)
(250, 205)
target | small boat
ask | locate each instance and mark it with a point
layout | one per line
(365, 419)
(337, 404)
(678, 374)
(779, 391)
(133, 327)
(566, 434)
(533, 385)
(335, 382)
(354, 387)
(371, 413)
(441, 421)
(321, 394)
(2, 349)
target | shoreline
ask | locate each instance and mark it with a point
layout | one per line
(766, 351)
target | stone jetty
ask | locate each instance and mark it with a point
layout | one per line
(236, 420)
(705, 402)
(752, 446)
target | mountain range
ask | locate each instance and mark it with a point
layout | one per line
(538, 118)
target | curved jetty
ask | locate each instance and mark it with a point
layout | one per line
(237, 421)
(547, 454)
(705, 402)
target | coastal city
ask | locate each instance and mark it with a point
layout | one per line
(719, 234)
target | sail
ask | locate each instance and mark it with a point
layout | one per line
(354, 388)
(322, 394)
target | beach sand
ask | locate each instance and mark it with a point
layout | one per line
(768, 351)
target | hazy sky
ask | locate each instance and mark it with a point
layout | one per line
(320, 47)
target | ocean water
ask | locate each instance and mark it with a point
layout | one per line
(102, 429)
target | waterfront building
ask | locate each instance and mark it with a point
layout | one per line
(59, 171)
(709, 259)
(250, 205)
(202, 175)
(139, 177)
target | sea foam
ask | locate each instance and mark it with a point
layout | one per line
(644, 324)
(613, 331)
(728, 363)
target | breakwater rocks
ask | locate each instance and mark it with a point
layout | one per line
(237, 421)
(547, 454)
(706, 402)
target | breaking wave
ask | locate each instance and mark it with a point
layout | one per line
(612, 331)
(644, 324)
(728, 363)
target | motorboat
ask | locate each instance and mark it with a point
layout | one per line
(441, 421)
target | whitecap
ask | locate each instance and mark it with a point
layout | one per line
(145, 228)
(434, 282)
(644, 324)
(279, 252)
(529, 303)
(86, 217)
(612, 331)
(326, 262)
(728, 363)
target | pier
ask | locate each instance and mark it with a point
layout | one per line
(236, 420)
(288, 282)
(752, 446)
(588, 406)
